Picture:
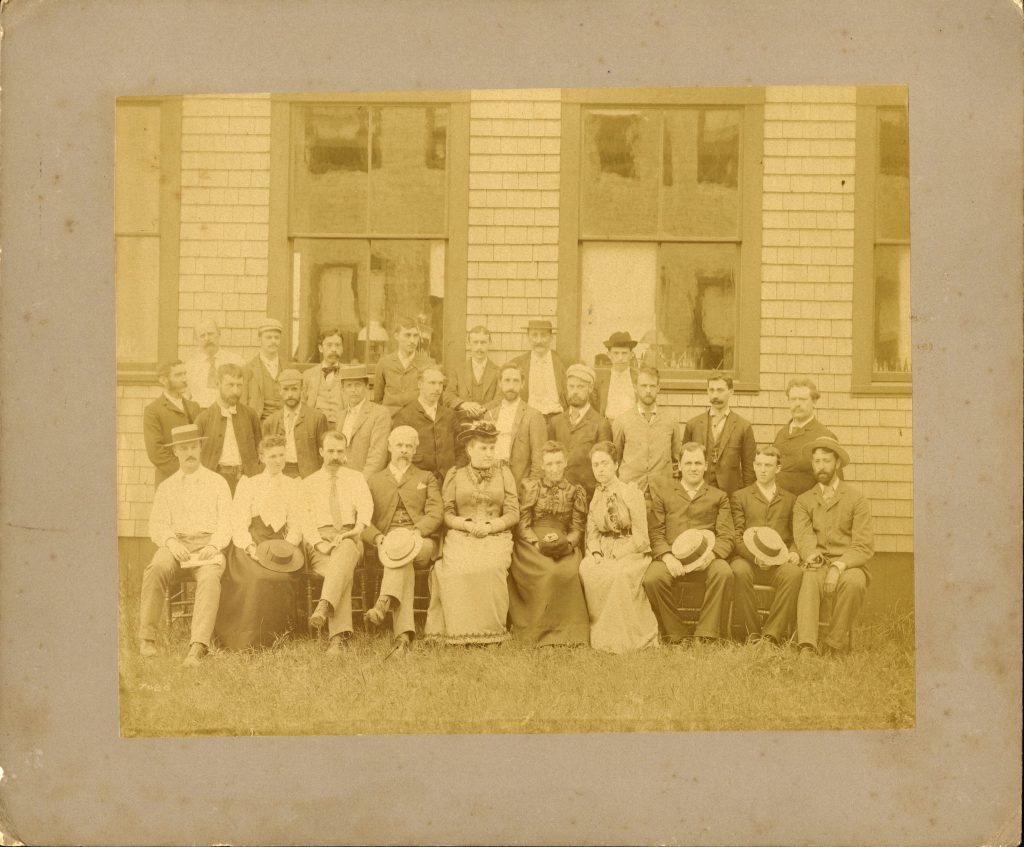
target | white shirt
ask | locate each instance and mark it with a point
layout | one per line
(690, 492)
(503, 422)
(769, 493)
(478, 370)
(350, 420)
(794, 426)
(198, 372)
(397, 472)
(717, 422)
(229, 454)
(273, 498)
(543, 390)
(576, 415)
(621, 393)
(288, 418)
(430, 410)
(177, 402)
(353, 495)
(192, 504)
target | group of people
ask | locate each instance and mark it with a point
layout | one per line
(549, 503)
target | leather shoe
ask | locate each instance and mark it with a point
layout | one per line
(318, 620)
(807, 650)
(196, 651)
(400, 648)
(375, 616)
(147, 648)
(337, 645)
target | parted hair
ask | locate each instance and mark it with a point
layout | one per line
(336, 434)
(769, 450)
(479, 329)
(721, 378)
(693, 446)
(328, 332)
(606, 447)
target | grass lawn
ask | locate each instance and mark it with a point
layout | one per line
(295, 689)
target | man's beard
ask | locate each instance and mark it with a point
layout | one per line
(511, 396)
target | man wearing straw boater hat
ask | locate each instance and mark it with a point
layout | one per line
(763, 515)
(543, 370)
(190, 524)
(364, 424)
(407, 512)
(675, 507)
(833, 531)
(580, 427)
(302, 427)
(616, 386)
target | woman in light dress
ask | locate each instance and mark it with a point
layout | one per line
(618, 553)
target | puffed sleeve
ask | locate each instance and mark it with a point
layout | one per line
(451, 508)
(529, 492)
(597, 507)
(634, 498)
(510, 501)
(578, 522)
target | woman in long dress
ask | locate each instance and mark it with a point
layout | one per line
(258, 605)
(618, 554)
(546, 603)
(469, 584)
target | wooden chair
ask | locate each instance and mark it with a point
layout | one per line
(360, 585)
(421, 590)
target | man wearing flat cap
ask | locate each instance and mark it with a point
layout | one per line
(616, 385)
(172, 408)
(364, 424)
(521, 428)
(302, 427)
(675, 507)
(763, 516)
(580, 427)
(260, 391)
(833, 532)
(190, 524)
(543, 371)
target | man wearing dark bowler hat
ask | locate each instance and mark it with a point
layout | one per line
(580, 427)
(321, 387)
(728, 439)
(616, 385)
(172, 408)
(232, 430)
(302, 426)
(364, 423)
(834, 535)
(543, 371)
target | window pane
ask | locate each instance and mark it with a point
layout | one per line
(620, 171)
(892, 309)
(408, 175)
(137, 168)
(608, 270)
(700, 176)
(330, 289)
(893, 193)
(137, 287)
(407, 281)
(330, 148)
(696, 308)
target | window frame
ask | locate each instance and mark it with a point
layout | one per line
(456, 237)
(746, 370)
(169, 233)
(871, 98)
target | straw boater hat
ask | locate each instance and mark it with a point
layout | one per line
(353, 372)
(280, 556)
(399, 547)
(581, 371)
(766, 544)
(539, 325)
(694, 547)
(288, 376)
(184, 434)
(478, 429)
(827, 443)
(620, 339)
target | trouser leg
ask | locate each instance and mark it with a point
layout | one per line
(155, 579)
(785, 579)
(744, 606)
(337, 571)
(658, 587)
(403, 618)
(850, 591)
(808, 606)
(204, 611)
(717, 594)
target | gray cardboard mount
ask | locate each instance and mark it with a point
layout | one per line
(68, 778)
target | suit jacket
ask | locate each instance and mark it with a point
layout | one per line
(751, 508)
(529, 432)
(312, 384)
(840, 530)
(462, 385)
(604, 379)
(796, 475)
(436, 452)
(368, 447)
(578, 440)
(418, 491)
(158, 419)
(672, 511)
(247, 434)
(524, 365)
(256, 380)
(395, 386)
(736, 447)
(310, 426)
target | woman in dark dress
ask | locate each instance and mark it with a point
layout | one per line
(546, 602)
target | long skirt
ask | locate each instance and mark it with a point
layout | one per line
(469, 589)
(546, 602)
(621, 619)
(257, 605)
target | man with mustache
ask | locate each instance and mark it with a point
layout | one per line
(336, 507)
(647, 437)
(616, 384)
(396, 379)
(543, 371)
(580, 427)
(190, 524)
(302, 426)
(203, 368)
(474, 383)
(434, 423)
(170, 409)
(321, 387)
(796, 475)
(834, 535)
(728, 439)
(521, 429)
(261, 391)
(232, 430)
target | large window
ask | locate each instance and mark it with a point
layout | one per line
(147, 169)
(882, 342)
(661, 222)
(364, 237)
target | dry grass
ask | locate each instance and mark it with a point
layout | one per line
(295, 689)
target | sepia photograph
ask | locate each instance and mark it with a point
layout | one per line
(515, 410)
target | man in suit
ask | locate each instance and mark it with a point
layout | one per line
(521, 429)
(728, 439)
(231, 429)
(203, 368)
(364, 424)
(321, 387)
(405, 498)
(676, 507)
(434, 423)
(543, 371)
(648, 438)
(261, 391)
(765, 505)
(396, 379)
(302, 426)
(796, 475)
(580, 427)
(172, 408)
(616, 385)
(834, 535)
(474, 382)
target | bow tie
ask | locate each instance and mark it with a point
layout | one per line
(330, 370)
